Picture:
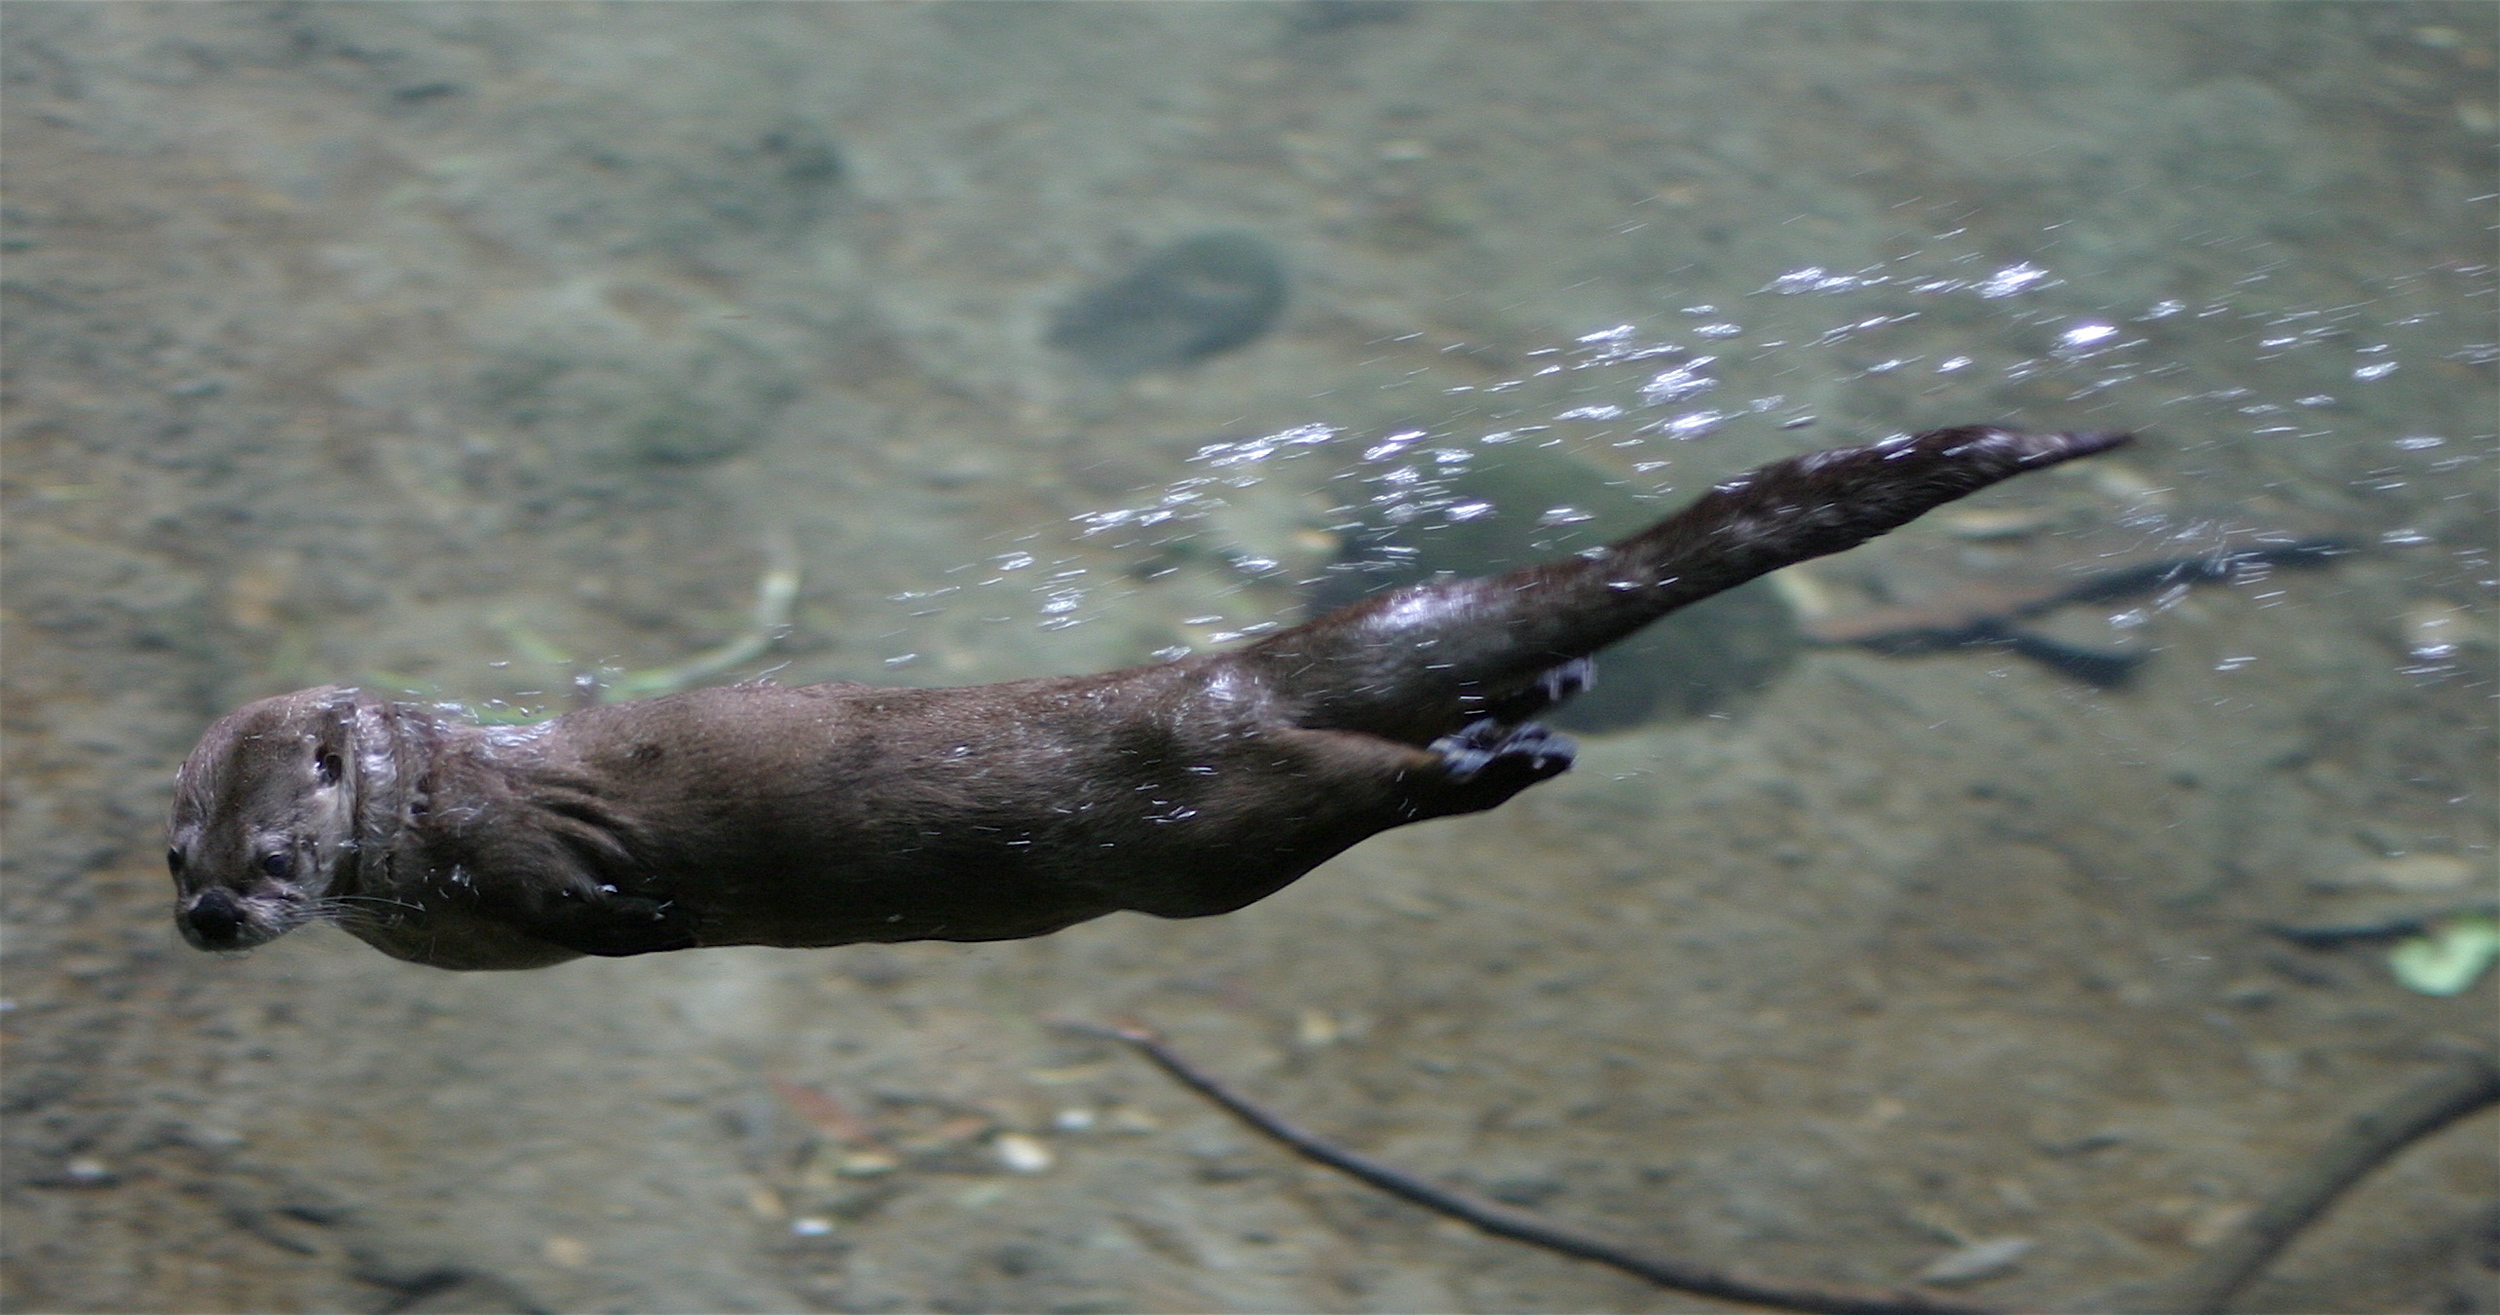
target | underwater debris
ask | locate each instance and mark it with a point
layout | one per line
(1992, 612)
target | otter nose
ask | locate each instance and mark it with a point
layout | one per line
(214, 919)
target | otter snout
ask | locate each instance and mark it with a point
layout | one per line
(211, 920)
(220, 919)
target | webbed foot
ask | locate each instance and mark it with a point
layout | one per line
(1499, 752)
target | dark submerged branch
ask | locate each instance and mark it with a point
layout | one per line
(1519, 1225)
(2372, 1138)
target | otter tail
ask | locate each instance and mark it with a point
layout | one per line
(1417, 663)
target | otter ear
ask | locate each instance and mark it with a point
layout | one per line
(322, 755)
(334, 737)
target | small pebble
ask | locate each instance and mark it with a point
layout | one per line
(866, 1164)
(1984, 1259)
(2413, 873)
(2211, 1226)
(1022, 1154)
(1135, 1123)
(2123, 483)
(2434, 629)
(1996, 522)
(565, 1252)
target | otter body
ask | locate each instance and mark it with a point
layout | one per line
(834, 814)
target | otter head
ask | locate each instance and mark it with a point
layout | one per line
(263, 834)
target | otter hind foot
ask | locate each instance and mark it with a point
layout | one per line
(1516, 756)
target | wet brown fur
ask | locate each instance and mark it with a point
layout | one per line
(832, 814)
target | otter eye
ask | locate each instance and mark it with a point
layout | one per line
(278, 865)
(326, 766)
(173, 861)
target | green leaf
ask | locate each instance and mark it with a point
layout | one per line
(2449, 957)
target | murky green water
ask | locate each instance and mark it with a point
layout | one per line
(482, 349)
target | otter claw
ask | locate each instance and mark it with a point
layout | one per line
(1568, 680)
(1556, 684)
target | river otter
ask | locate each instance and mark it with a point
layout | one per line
(831, 814)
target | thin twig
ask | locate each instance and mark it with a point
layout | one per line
(1519, 1225)
(2371, 1139)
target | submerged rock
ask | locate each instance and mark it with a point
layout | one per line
(1198, 297)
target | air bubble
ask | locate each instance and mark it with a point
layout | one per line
(2014, 279)
(2086, 335)
(1687, 427)
(1686, 380)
